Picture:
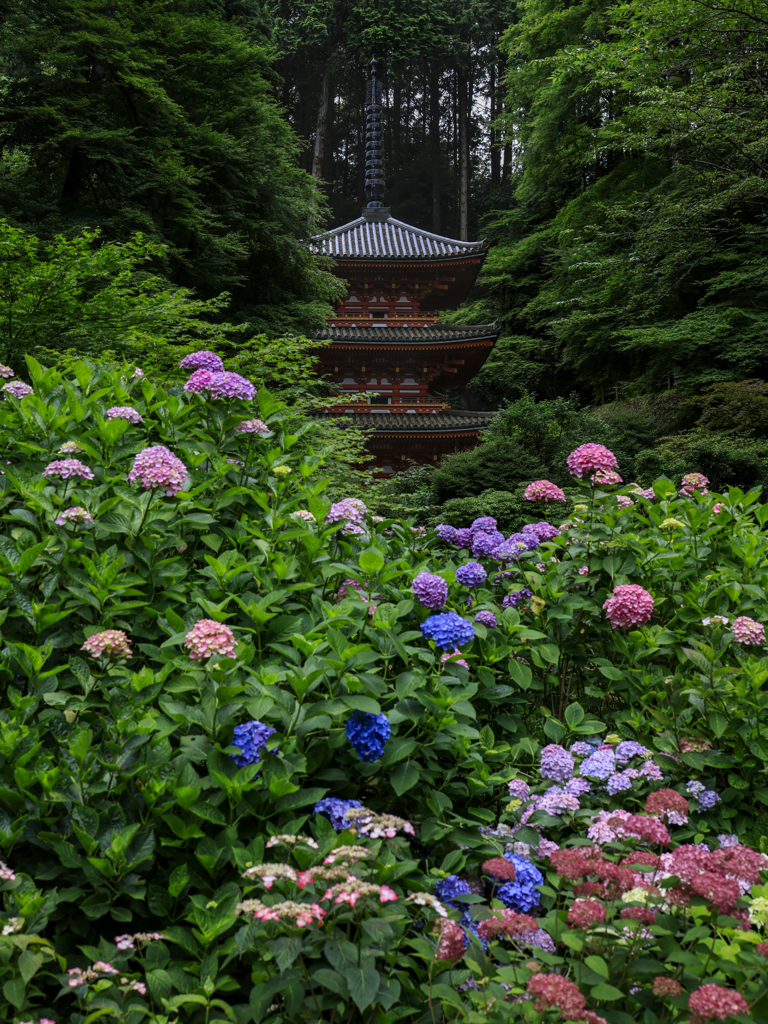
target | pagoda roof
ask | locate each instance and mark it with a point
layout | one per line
(432, 334)
(388, 239)
(448, 421)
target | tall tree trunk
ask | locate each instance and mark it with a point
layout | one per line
(494, 139)
(397, 128)
(321, 131)
(463, 90)
(434, 144)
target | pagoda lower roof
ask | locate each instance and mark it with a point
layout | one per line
(409, 336)
(389, 239)
(449, 421)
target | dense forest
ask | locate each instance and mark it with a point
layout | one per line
(615, 156)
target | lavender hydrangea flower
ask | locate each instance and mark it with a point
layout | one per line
(124, 412)
(542, 531)
(156, 466)
(431, 591)
(487, 619)
(484, 542)
(220, 385)
(6, 371)
(348, 509)
(252, 427)
(556, 763)
(581, 749)
(557, 801)
(202, 360)
(251, 738)
(75, 514)
(516, 597)
(463, 537)
(448, 631)
(521, 894)
(368, 733)
(629, 748)
(67, 468)
(446, 533)
(510, 550)
(18, 389)
(540, 939)
(707, 797)
(471, 574)
(651, 770)
(727, 839)
(519, 789)
(600, 765)
(619, 782)
(335, 810)
(485, 524)
(578, 786)
(449, 888)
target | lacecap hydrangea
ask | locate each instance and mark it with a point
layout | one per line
(335, 811)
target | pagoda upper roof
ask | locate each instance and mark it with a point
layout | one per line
(371, 238)
(378, 333)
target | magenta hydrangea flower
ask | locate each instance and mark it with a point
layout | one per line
(252, 427)
(453, 654)
(747, 631)
(629, 605)
(202, 360)
(220, 385)
(112, 643)
(543, 490)
(67, 468)
(75, 514)
(18, 389)
(208, 637)
(714, 1002)
(694, 482)
(606, 477)
(124, 412)
(431, 591)
(6, 371)
(156, 466)
(590, 458)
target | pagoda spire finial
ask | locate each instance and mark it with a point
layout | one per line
(374, 144)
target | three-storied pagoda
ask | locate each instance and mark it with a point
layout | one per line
(386, 338)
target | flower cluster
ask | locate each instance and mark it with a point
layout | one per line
(70, 448)
(748, 632)
(522, 894)
(252, 427)
(110, 643)
(335, 810)
(451, 940)
(349, 510)
(18, 389)
(714, 1002)
(251, 738)
(208, 637)
(471, 574)
(556, 763)
(156, 466)
(584, 913)
(74, 514)
(629, 605)
(516, 597)
(590, 458)
(454, 658)
(202, 360)
(484, 542)
(553, 991)
(65, 469)
(221, 384)
(543, 490)
(446, 533)
(669, 804)
(486, 618)
(124, 412)
(431, 591)
(368, 733)
(693, 482)
(606, 477)
(377, 826)
(6, 371)
(448, 631)
(542, 531)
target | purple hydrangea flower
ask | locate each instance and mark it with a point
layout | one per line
(348, 509)
(484, 542)
(510, 550)
(540, 939)
(530, 540)
(522, 894)
(471, 574)
(156, 466)
(449, 888)
(488, 619)
(66, 468)
(220, 385)
(446, 533)
(463, 537)
(727, 839)
(335, 810)
(651, 770)
(618, 782)
(251, 738)
(557, 801)
(6, 371)
(252, 427)
(202, 360)
(556, 763)
(75, 514)
(448, 631)
(368, 733)
(630, 748)
(485, 524)
(707, 797)
(124, 412)
(581, 749)
(578, 787)
(542, 531)
(431, 591)
(519, 789)
(516, 597)
(600, 765)
(18, 389)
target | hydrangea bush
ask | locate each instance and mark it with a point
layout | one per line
(267, 756)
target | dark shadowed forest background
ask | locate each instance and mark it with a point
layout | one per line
(615, 156)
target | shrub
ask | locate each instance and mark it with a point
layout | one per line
(494, 465)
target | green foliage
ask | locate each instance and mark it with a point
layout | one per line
(507, 508)
(499, 465)
(724, 459)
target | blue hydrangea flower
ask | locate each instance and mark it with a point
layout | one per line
(512, 549)
(618, 782)
(251, 738)
(335, 810)
(446, 533)
(483, 543)
(522, 894)
(488, 619)
(707, 800)
(448, 631)
(449, 888)
(368, 733)
(630, 748)
(581, 749)
(471, 574)
(516, 597)
(600, 765)
(540, 938)
(463, 537)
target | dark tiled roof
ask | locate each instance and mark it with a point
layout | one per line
(412, 335)
(390, 239)
(450, 420)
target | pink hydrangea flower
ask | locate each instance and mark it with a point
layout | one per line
(590, 458)
(6, 875)
(629, 605)
(6, 371)
(624, 501)
(252, 427)
(156, 466)
(584, 913)
(18, 389)
(112, 643)
(714, 1002)
(748, 632)
(668, 803)
(202, 360)
(75, 514)
(451, 940)
(647, 492)
(124, 412)
(584, 570)
(208, 637)
(694, 482)
(70, 448)
(719, 506)
(543, 490)
(304, 514)
(66, 468)
(606, 477)
(137, 374)
(456, 661)
(553, 990)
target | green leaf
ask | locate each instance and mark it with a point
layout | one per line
(371, 562)
(13, 991)
(598, 965)
(606, 992)
(286, 948)
(363, 985)
(361, 703)
(520, 673)
(404, 777)
(574, 714)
